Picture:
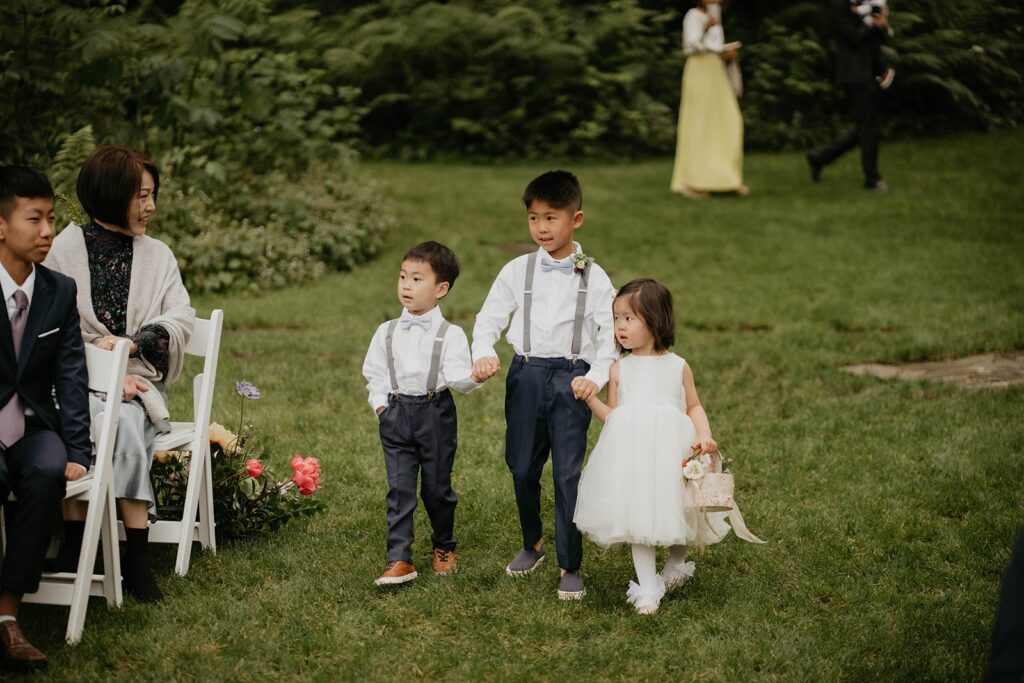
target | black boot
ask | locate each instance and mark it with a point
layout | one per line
(70, 549)
(137, 574)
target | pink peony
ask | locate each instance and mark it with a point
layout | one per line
(254, 467)
(307, 474)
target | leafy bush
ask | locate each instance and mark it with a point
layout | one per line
(543, 79)
(230, 97)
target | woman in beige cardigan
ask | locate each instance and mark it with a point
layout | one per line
(129, 287)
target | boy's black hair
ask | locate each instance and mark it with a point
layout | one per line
(652, 302)
(559, 189)
(21, 181)
(109, 181)
(440, 258)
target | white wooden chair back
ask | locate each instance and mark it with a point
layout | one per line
(197, 522)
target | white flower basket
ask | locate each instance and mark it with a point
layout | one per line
(716, 491)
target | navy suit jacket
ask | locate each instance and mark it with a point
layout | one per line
(51, 364)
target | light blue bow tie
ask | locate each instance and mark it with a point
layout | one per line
(547, 264)
(422, 323)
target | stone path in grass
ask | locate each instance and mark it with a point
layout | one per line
(984, 371)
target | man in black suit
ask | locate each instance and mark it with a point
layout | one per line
(854, 73)
(42, 358)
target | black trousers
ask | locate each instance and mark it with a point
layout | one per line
(419, 435)
(866, 131)
(33, 468)
(543, 416)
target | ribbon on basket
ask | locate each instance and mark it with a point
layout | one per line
(712, 491)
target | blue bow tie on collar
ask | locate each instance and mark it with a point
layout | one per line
(547, 264)
(422, 323)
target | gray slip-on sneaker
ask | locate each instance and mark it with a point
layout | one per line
(525, 562)
(570, 586)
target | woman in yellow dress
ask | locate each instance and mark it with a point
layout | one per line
(709, 144)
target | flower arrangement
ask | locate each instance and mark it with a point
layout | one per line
(248, 498)
(580, 261)
(697, 464)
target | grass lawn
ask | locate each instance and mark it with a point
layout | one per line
(890, 508)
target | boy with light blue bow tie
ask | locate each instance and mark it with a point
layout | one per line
(410, 365)
(560, 303)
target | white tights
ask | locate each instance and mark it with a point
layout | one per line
(645, 562)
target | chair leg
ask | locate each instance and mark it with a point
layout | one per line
(86, 559)
(207, 524)
(111, 557)
(186, 532)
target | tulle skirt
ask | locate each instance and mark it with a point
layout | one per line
(631, 489)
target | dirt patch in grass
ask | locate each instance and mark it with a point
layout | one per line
(983, 371)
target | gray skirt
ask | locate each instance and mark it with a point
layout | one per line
(133, 451)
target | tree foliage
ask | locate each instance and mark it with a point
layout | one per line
(230, 97)
(508, 78)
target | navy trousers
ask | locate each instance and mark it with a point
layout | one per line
(543, 416)
(419, 435)
(33, 468)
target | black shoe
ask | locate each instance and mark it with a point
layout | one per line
(815, 165)
(878, 186)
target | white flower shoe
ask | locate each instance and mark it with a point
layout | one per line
(646, 600)
(675, 574)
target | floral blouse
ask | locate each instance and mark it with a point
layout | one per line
(110, 276)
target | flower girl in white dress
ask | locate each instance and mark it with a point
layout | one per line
(631, 490)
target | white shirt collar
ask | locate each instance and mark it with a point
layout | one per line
(433, 315)
(8, 284)
(577, 249)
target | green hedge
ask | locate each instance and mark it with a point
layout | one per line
(255, 144)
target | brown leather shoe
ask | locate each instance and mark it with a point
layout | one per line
(16, 651)
(397, 572)
(444, 562)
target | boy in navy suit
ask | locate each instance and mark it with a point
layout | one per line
(560, 304)
(41, 358)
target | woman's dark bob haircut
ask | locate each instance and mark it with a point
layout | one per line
(652, 302)
(110, 180)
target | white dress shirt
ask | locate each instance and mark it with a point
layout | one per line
(696, 39)
(412, 349)
(552, 313)
(8, 285)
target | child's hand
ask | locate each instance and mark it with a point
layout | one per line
(485, 368)
(704, 444)
(583, 389)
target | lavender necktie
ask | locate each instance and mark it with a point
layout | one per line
(12, 415)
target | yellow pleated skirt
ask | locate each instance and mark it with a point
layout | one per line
(709, 142)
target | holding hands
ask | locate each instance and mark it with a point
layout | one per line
(485, 368)
(583, 389)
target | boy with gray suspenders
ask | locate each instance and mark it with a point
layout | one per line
(412, 362)
(560, 303)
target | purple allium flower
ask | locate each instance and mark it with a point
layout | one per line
(246, 389)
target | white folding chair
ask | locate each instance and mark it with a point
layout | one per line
(106, 374)
(197, 523)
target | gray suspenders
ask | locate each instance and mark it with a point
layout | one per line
(435, 357)
(581, 308)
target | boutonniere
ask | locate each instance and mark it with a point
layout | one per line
(580, 261)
